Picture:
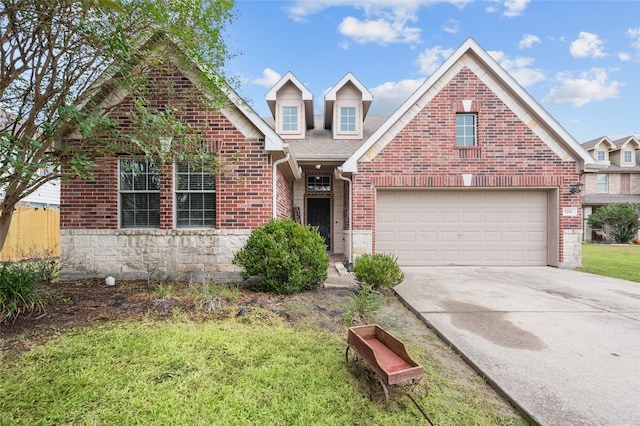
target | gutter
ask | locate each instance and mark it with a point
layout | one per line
(338, 174)
(274, 179)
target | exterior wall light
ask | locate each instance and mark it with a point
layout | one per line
(577, 188)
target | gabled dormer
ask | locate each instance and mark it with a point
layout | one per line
(599, 149)
(345, 107)
(291, 105)
(625, 154)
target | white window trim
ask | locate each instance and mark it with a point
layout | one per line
(604, 152)
(120, 192)
(475, 130)
(337, 117)
(175, 201)
(631, 154)
(280, 121)
(606, 176)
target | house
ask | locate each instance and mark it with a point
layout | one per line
(469, 170)
(617, 179)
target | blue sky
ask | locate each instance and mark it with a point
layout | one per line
(579, 59)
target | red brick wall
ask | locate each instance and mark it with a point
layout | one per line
(243, 190)
(424, 154)
(284, 191)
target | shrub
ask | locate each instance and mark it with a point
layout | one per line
(379, 270)
(623, 218)
(286, 256)
(19, 291)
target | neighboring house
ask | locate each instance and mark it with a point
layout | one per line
(617, 179)
(470, 170)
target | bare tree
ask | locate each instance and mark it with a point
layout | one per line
(59, 56)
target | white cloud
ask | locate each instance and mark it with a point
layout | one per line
(587, 44)
(623, 56)
(515, 7)
(528, 40)
(269, 78)
(519, 68)
(634, 35)
(590, 86)
(430, 59)
(452, 26)
(389, 96)
(379, 31)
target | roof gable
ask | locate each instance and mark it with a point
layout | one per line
(472, 56)
(332, 95)
(306, 96)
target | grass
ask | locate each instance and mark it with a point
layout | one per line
(616, 261)
(238, 371)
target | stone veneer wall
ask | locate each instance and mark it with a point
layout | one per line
(572, 249)
(196, 255)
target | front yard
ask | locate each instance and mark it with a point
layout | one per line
(616, 261)
(135, 354)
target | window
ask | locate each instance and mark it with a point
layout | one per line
(602, 155)
(466, 129)
(625, 183)
(289, 119)
(627, 157)
(139, 193)
(318, 183)
(348, 119)
(602, 181)
(195, 197)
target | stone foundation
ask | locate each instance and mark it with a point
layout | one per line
(571, 249)
(195, 255)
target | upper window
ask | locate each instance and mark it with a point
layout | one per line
(347, 119)
(627, 156)
(195, 197)
(290, 119)
(139, 193)
(602, 155)
(318, 183)
(466, 129)
(602, 181)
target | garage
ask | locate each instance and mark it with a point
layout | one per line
(463, 227)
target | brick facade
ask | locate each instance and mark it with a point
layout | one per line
(243, 200)
(424, 155)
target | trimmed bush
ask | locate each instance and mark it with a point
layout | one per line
(286, 256)
(378, 270)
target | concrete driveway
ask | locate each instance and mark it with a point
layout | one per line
(563, 346)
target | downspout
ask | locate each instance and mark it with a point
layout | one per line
(339, 175)
(274, 179)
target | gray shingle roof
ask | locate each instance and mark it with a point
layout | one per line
(320, 145)
(601, 199)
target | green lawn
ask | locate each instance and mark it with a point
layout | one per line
(615, 261)
(222, 372)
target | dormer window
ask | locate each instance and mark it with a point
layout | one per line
(290, 119)
(601, 155)
(348, 119)
(627, 157)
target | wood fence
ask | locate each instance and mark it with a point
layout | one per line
(33, 232)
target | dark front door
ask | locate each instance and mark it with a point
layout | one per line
(319, 215)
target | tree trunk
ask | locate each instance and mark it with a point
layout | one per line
(6, 214)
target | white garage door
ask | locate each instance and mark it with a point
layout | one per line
(500, 228)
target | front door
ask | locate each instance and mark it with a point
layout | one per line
(319, 215)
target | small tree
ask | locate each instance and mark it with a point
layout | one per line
(623, 218)
(286, 256)
(60, 59)
(378, 270)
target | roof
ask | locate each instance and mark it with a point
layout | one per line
(319, 144)
(547, 128)
(602, 199)
(617, 143)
